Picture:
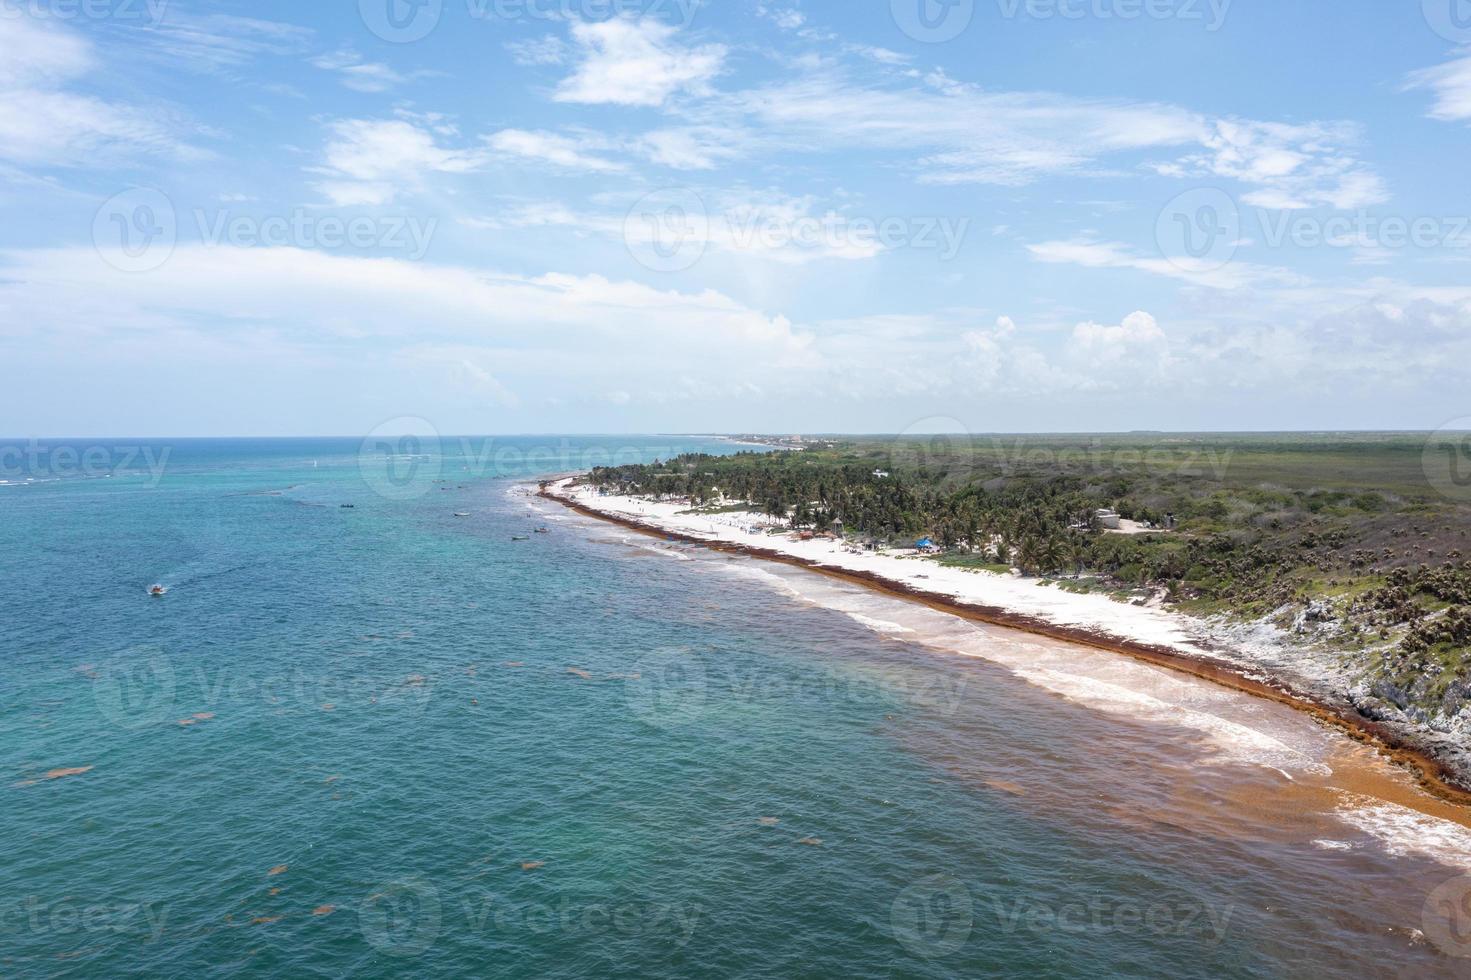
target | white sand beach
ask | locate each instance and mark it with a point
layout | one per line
(1016, 594)
(1256, 651)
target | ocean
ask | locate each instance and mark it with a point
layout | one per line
(362, 735)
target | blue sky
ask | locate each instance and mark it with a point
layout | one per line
(733, 215)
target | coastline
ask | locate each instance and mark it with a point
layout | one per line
(1150, 635)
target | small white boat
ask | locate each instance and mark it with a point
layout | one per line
(156, 590)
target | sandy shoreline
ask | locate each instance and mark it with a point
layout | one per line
(1152, 635)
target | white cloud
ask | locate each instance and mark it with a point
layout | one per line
(692, 147)
(765, 226)
(368, 161)
(959, 133)
(1289, 167)
(540, 214)
(955, 132)
(1391, 337)
(1134, 352)
(882, 55)
(1451, 83)
(220, 43)
(31, 54)
(1416, 327)
(1121, 356)
(1093, 254)
(786, 18)
(349, 193)
(547, 50)
(790, 230)
(590, 326)
(345, 342)
(455, 335)
(1138, 329)
(636, 63)
(43, 123)
(357, 74)
(571, 153)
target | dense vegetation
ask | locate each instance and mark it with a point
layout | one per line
(1338, 537)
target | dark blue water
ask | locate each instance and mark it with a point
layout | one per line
(387, 740)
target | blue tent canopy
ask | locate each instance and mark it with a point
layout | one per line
(924, 543)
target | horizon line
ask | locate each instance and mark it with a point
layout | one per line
(788, 434)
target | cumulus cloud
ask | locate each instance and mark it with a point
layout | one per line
(369, 161)
(1392, 337)
(636, 63)
(1289, 166)
(1134, 352)
(1138, 329)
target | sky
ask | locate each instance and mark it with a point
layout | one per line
(618, 216)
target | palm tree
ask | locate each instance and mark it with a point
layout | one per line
(1051, 554)
(1077, 553)
(1027, 556)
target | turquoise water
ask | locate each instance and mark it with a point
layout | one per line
(386, 740)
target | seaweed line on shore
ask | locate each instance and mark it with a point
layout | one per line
(1432, 775)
